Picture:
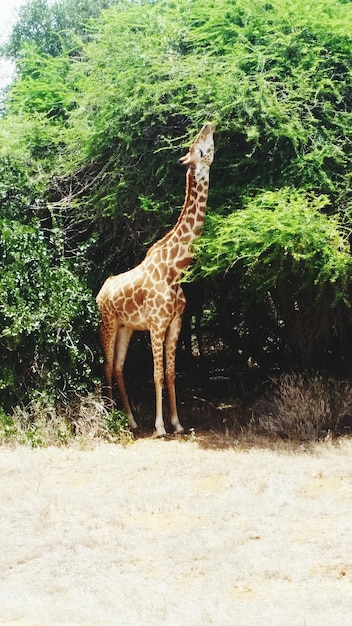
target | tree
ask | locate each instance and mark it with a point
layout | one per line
(53, 27)
(46, 318)
(101, 109)
(287, 266)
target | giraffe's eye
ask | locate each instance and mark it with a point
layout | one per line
(201, 153)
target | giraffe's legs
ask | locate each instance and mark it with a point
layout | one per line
(115, 341)
(108, 338)
(170, 350)
(157, 339)
(123, 338)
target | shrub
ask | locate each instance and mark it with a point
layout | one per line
(284, 258)
(47, 316)
(44, 423)
(303, 408)
(8, 428)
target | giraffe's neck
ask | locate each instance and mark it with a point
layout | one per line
(191, 220)
(169, 257)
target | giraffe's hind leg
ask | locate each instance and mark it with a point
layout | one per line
(123, 338)
(115, 341)
(107, 334)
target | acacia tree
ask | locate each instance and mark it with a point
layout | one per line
(276, 78)
(287, 265)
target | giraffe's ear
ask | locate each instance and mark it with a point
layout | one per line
(185, 160)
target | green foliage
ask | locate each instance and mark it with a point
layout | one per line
(36, 109)
(47, 316)
(17, 194)
(52, 26)
(275, 76)
(286, 269)
(8, 428)
(117, 427)
(45, 41)
(277, 238)
(42, 86)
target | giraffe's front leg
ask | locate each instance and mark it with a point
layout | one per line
(170, 349)
(157, 339)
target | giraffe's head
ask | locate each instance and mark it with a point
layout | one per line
(202, 149)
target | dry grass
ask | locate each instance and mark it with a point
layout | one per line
(176, 532)
(304, 408)
(82, 420)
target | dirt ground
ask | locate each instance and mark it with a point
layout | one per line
(176, 532)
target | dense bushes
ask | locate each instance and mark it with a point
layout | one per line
(290, 267)
(47, 318)
(93, 125)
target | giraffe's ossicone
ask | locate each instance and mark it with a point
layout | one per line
(149, 297)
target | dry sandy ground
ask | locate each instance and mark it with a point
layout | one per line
(176, 533)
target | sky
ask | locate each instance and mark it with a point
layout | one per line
(7, 18)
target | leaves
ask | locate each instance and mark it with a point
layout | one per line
(278, 236)
(45, 316)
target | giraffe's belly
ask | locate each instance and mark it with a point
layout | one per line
(145, 314)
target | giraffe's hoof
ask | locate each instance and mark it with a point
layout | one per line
(160, 433)
(136, 432)
(179, 430)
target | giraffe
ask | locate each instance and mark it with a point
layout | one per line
(149, 296)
